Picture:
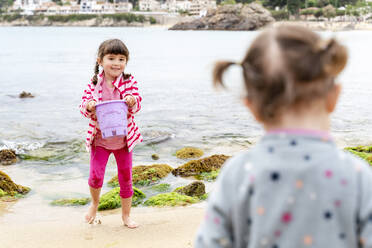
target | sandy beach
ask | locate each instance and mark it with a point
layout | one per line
(159, 227)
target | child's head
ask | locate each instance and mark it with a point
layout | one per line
(287, 67)
(112, 56)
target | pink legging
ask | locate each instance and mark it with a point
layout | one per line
(98, 160)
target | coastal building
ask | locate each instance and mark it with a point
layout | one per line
(149, 5)
(200, 7)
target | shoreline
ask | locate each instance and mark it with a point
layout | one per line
(159, 227)
(170, 21)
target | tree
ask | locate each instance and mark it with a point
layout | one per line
(294, 6)
(329, 11)
(274, 3)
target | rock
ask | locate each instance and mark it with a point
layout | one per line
(111, 199)
(230, 17)
(196, 188)
(161, 187)
(155, 156)
(195, 167)
(145, 174)
(71, 202)
(189, 152)
(8, 157)
(9, 187)
(365, 152)
(25, 94)
(170, 199)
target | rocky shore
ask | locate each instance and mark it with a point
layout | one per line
(230, 17)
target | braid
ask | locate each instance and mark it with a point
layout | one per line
(96, 71)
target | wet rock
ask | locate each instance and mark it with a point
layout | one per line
(196, 188)
(230, 17)
(71, 202)
(8, 157)
(9, 187)
(195, 167)
(155, 156)
(145, 174)
(111, 199)
(25, 94)
(365, 152)
(189, 152)
(170, 199)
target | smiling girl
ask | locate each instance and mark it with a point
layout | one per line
(111, 84)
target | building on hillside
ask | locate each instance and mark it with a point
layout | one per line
(149, 5)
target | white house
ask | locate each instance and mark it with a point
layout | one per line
(149, 5)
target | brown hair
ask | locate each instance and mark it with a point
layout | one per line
(113, 46)
(286, 66)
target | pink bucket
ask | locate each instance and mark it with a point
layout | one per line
(112, 118)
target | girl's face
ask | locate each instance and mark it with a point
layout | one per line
(113, 65)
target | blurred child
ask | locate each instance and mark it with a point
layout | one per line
(295, 188)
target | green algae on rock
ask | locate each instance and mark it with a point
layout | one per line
(195, 167)
(71, 202)
(145, 174)
(196, 189)
(111, 199)
(189, 152)
(10, 188)
(208, 176)
(170, 199)
(8, 157)
(365, 152)
(161, 187)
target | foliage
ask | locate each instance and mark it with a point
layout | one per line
(274, 3)
(228, 2)
(71, 17)
(280, 14)
(329, 11)
(293, 6)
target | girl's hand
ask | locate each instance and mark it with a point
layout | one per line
(91, 106)
(130, 100)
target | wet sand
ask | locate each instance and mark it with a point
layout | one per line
(160, 227)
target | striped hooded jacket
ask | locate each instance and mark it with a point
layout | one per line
(94, 93)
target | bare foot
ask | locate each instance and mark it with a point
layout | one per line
(129, 223)
(91, 215)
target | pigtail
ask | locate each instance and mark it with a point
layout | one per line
(126, 76)
(96, 71)
(219, 68)
(334, 58)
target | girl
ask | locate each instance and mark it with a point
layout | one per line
(294, 188)
(111, 84)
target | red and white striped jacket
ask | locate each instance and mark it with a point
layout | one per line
(94, 93)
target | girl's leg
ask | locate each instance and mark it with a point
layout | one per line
(124, 162)
(98, 161)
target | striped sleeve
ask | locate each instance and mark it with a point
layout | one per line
(87, 97)
(131, 88)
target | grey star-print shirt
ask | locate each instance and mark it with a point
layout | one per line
(290, 190)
